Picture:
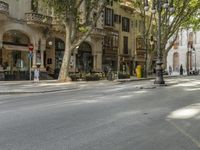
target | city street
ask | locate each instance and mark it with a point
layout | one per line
(127, 116)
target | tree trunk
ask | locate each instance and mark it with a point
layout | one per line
(164, 60)
(64, 70)
(149, 62)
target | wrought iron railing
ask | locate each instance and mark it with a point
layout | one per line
(38, 18)
(98, 31)
(4, 7)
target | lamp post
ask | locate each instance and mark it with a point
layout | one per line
(145, 42)
(160, 4)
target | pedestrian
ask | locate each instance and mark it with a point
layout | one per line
(36, 75)
(181, 70)
(170, 70)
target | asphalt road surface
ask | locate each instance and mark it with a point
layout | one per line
(109, 117)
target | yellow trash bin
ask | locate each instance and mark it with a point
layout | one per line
(139, 71)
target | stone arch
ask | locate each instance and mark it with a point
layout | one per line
(16, 37)
(191, 40)
(189, 60)
(55, 47)
(176, 43)
(15, 60)
(191, 36)
(91, 45)
(21, 28)
(176, 61)
(59, 52)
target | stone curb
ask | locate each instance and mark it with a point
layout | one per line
(144, 79)
(35, 92)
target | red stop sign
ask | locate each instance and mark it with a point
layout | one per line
(30, 47)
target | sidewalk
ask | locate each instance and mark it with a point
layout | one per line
(45, 86)
(151, 77)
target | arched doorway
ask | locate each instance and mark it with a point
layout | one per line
(59, 53)
(189, 61)
(176, 61)
(15, 59)
(84, 58)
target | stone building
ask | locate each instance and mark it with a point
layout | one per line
(185, 52)
(21, 25)
(112, 43)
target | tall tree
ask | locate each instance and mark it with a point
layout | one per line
(78, 18)
(186, 13)
(149, 33)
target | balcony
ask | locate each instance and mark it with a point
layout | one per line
(127, 5)
(98, 32)
(38, 19)
(4, 10)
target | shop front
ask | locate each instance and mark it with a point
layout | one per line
(15, 55)
(126, 65)
(84, 58)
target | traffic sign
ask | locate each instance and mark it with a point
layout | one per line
(30, 47)
(30, 55)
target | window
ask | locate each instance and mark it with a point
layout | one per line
(176, 43)
(109, 17)
(49, 61)
(117, 18)
(108, 41)
(125, 45)
(110, 2)
(59, 45)
(125, 24)
(136, 24)
(111, 41)
(141, 26)
(190, 40)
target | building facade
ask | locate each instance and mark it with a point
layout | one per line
(185, 52)
(111, 45)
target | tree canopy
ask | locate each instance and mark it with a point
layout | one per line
(186, 14)
(78, 18)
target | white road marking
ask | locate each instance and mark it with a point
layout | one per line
(196, 142)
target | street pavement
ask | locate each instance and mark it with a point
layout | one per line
(104, 116)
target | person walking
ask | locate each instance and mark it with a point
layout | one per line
(181, 70)
(36, 75)
(170, 70)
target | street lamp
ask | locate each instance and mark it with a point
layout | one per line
(160, 4)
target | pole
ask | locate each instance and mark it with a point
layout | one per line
(145, 44)
(188, 56)
(159, 72)
(195, 60)
(30, 66)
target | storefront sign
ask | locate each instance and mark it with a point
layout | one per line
(30, 55)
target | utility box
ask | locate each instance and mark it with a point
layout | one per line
(139, 71)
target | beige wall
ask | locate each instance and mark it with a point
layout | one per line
(18, 8)
(15, 21)
(131, 35)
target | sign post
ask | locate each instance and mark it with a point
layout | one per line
(30, 55)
